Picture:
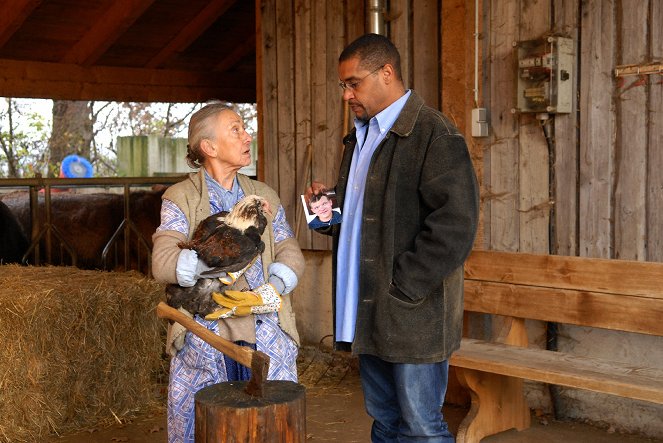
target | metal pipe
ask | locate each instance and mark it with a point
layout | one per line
(375, 16)
(476, 53)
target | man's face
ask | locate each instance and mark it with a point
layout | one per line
(322, 208)
(364, 90)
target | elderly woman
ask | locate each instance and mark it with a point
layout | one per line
(220, 146)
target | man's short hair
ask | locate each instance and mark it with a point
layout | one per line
(373, 51)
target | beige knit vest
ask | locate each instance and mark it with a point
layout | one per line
(192, 197)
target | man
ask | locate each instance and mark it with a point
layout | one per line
(410, 209)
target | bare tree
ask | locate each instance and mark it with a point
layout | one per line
(148, 119)
(72, 130)
(22, 140)
(7, 140)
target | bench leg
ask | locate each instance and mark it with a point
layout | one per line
(498, 404)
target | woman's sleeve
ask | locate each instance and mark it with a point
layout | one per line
(165, 252)
(282, 229)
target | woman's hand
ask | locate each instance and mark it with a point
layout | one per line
(190, 268)
(282, 277)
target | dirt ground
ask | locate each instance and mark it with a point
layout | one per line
(335, 413)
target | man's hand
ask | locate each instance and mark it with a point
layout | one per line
(315, 188)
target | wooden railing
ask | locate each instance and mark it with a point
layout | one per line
(48, 244)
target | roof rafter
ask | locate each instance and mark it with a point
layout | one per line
(238, 53)
(14, 14)
(191, 31)
(75, 82)
(117, 19)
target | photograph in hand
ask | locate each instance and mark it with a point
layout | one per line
(321, 209)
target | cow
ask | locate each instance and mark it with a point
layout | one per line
(13, 241)
(85, 223)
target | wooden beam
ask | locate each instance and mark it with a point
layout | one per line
(425, 51)
(102, 34)
(14, 13)
(268, 111)
(285, 95)
(630, 189)
(557, 368)
(641, 314)
(191, 31)
(237, 54)
(73, 82)
(321, 114)
(597, 138)
(501, 224)
(303, 103)
(565, 178)
(260, 89)
(555, 271)
(654, 131)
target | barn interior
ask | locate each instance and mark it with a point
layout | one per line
(576, 177)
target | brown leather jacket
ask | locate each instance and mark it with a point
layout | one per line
(420, 217)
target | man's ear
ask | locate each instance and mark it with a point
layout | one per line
(388, 73)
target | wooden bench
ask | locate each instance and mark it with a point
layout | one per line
(612, 294)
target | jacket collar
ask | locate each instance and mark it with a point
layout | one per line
(404, 124)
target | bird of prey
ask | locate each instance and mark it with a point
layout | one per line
(226, 242)
(196, 299)
(229, 241)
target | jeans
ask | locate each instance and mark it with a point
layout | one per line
(405, 400)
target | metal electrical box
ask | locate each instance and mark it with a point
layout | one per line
(544, 78)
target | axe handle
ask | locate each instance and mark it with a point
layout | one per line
(240, 354)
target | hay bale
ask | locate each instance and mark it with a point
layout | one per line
(76, 348)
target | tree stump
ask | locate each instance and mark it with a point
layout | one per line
(226, 413)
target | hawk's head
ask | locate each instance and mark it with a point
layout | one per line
(249, 211)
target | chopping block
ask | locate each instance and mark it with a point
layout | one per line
(257, 411)
(225, 412)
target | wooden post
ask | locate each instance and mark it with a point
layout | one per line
(226, 413)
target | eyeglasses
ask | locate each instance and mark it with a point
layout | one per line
(352, 86)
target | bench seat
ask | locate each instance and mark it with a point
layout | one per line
(562, 369)
(618, 295)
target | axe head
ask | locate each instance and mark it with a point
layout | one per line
(259, 370)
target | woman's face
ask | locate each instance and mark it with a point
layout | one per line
(322, 208)
(232, 142)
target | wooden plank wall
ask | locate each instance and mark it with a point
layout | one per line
(596, 194)
(301, 113)
(302, 117)
(565, 171)
(655, 141)
(606, 194)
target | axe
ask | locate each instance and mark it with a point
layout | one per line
(256, 360)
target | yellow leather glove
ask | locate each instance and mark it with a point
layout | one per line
(261, 300)
(220, 313)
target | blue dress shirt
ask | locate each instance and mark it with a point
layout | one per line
(349, 245)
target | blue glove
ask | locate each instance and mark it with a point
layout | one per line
(282, 277)
(189, 269)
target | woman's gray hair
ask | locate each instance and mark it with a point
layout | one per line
(200, 128)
